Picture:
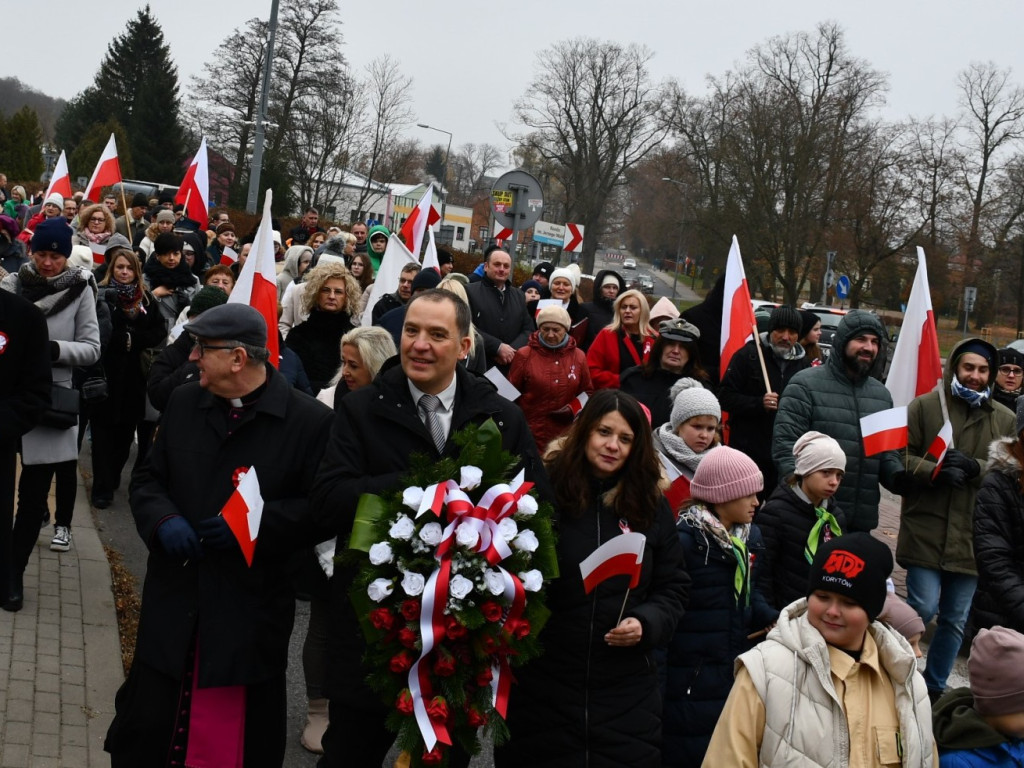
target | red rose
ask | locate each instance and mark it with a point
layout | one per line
(454, 630)
(444, 666)
(382, 618)
(475, 718)
(462, 653)
(400, 662)
(484, 677)
(404, 702)
(410, 610)
(437, 709)
(522, 629)
(491, 611)
(407, 637)
(433, 757)
(489, 644)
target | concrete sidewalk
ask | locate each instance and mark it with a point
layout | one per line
(60, 656)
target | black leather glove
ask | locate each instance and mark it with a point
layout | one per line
(178, 539)
(951, 477)
(963, 462)
(903, 483)
(215, 533)
(54, 351)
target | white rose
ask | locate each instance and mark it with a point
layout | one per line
(412, 583)
(379, 589)
(381, 553)
(527, 506)
(494, 582)
(466, 535)
(402, 529)
(412, 496)
(459, 587)
(431, 534)
(470, 477)
(508, 529)
(532, 580)
(526, 541)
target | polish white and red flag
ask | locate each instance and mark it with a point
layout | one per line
(916, 367)
(622, 555)
(421, 217)
(194, 192)
(941, 444)
(228, 256)
(738, 322)
(257, 281)
(60, 181)
(396, 257)
(107, 173)
(244, 512)
(430, 260)
(679, 479)
(884, 431)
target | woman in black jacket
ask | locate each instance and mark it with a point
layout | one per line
(999, 536)
(592, 698)
(330, 297)
(137, 326)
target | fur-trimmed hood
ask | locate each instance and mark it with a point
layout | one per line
(1001, 460)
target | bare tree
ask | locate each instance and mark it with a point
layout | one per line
(591, 113)
(388, 113)
(933, 171)
(993, 117)
(402, 162)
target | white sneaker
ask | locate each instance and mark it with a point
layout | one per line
(61, 539)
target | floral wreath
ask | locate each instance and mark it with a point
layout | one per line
(451, 593)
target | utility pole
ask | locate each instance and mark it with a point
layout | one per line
(261, 116)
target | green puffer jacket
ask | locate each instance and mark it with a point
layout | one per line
(826, 399)
(936, 525)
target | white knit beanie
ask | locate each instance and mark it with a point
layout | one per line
(564, 273)
(814, 451)
(689, 399)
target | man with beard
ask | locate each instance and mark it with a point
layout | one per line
(833, 398)
(743, 394)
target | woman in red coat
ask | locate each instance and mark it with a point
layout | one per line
(626, 342)
(552, 374)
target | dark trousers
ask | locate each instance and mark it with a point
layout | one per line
(111, 444)
(8, 463)
(146, 708)
(33, 488)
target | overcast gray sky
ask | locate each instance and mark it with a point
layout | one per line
(471, 59)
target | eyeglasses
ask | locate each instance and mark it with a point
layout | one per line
(332, 291)
(1010, 370)
(98, 220)
(203, 347)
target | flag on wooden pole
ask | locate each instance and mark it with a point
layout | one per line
(738, 319)
(60, 181)
(257, 281)
(194, 192)
(107, 173)
(424, 215)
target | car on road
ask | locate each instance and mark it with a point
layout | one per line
(645, 283)
(629, 263)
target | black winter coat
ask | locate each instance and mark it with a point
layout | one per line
(25, 378)
(741, 394)
(599, 312)
(121, 358)
(999, 542)
(584, 702)
(317, 342)
(710, 636)
(500, 316)
(654, 391)
(785, 521)
(171, 369)
(376, 429)
(243, 615)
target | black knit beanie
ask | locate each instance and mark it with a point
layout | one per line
(855, 565)
(785, 316)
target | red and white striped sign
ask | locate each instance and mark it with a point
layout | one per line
(573, 238)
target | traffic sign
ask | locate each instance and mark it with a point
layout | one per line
(573, 238)
(842, 287)
(516, 200)
(830, 278)
(549, 234)
(501, 232)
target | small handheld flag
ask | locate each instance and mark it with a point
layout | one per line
(244, 513)
(620, 556)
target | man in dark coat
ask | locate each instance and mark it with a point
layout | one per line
(499, 311)
(599, 313)
(751, 406)
(212, 646)
(24, 394)
(376, 429)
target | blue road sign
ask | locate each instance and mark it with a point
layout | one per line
(842, 287)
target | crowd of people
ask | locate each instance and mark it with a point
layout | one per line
(763, 628)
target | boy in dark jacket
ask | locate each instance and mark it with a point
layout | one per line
(984, 725)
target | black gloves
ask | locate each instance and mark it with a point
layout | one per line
(54, 351)
(951, 477)
(902, 483)
(215, 533)
(957, 460)
(178, 538)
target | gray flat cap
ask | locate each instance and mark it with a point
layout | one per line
(235, 322)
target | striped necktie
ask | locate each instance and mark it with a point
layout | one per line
(428, 406)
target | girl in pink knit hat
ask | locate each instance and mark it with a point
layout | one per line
(727, 612)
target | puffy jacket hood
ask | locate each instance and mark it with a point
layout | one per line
(599, 278)
(853, 324)
(957, 725)
(1001, 460)
(375, 229)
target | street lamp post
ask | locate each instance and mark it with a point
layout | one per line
(256, 167)
(679, 249)
(444, 181)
